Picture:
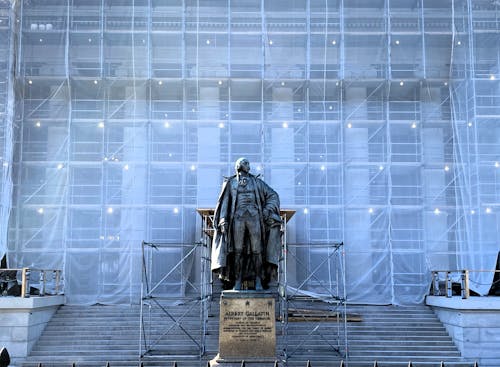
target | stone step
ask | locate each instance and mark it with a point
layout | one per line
(96, 334)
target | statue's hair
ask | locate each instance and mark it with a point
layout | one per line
(237, 164)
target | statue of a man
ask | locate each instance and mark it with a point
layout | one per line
(247, 240)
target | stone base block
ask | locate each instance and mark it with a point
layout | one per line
(247, 327)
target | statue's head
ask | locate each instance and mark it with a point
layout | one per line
(242, 164)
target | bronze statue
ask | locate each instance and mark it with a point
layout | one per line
(247, 240)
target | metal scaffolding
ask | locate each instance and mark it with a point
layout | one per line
(375, 120)
(175, 296)
(326, 327)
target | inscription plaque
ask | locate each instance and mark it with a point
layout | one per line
(247, 327)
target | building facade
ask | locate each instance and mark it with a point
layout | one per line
(377, 121)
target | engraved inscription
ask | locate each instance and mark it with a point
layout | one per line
(247, 328)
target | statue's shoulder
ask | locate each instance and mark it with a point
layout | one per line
(228, 178)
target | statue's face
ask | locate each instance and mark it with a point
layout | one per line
(243, 164)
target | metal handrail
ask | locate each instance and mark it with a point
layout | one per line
(26, 279)
(464, 281)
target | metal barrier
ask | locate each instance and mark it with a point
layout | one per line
(46, 281)
(4, 357)
(308, 364)
(448, 281)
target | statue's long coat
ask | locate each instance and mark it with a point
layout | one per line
(222, 244)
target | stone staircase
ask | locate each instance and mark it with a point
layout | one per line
(93, 335)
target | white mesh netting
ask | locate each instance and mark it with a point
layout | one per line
(377, 121)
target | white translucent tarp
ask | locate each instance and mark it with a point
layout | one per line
(377, 121)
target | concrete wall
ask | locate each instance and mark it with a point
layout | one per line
(22, 321)
(474, 325)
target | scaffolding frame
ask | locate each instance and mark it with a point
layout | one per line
(335, 296)
(151, 296)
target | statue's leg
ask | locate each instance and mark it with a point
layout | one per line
(256, 247)
(238, 238)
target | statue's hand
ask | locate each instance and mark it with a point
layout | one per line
(266, 214)
(223, 228)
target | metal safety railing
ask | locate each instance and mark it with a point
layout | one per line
(448, 278)
(31, 281)
(307, 364)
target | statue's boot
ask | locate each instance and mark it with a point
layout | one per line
(237, 285)
(258, 284)
(238, 264)
(257, 260)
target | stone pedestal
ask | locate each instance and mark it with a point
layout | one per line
(247, 328)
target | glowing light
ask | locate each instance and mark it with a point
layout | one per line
(38, 124)
(306, 210)
(492, 77)
(282, 84)
(285, 125)
(497, 164)
(101, 237)
(437, 211)
(446, 168)
(334, 42)
(110, 210)
(469, 124)
(414, 125)
(160, 82)
(322, 168)
(6, 164)
(90, 40)
(397, 42)
(193, 167)
(488, 210)
(60, 166)
(349, 125)
(459, 43)
(380, 168)
(176, 210)
(271, 42)
(401, 83)
(445, 84)
(370, 210)
(101, 125)
(166, 114)
(208, 42)
(259, 168)
(337, 84)
(30, 81)
(126, 167)
(299, 183)
(299, 110)
(166, 124)
(220, 82)
(473, 212)
(41, 39)
(40, 210)
(95, 82)
(330, 108)
(221, 125)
